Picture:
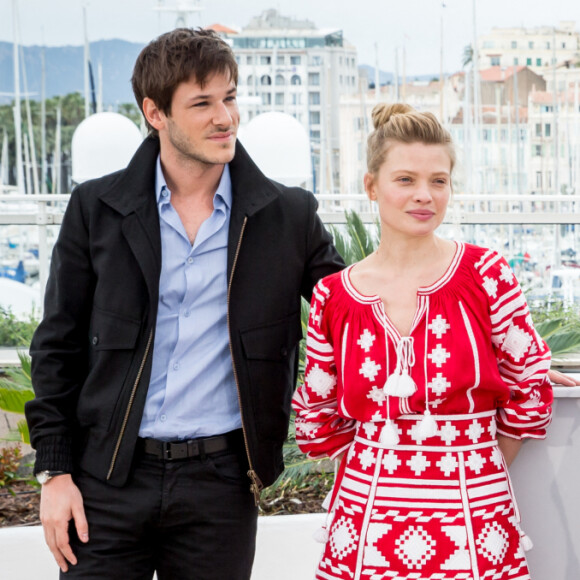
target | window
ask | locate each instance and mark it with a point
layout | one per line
(314, 79)
(539, 179)
(548, 45)
(514, 44)
(315, 117)
(295, 80)
(537, 150)
(266, 98)
(486, 134)
(563, 45)
(538, 129)
(495, 61)
(279, 98)
(280, 80)
(266, 80)
(314, 98)
(546, 108)
(548, 130)
(315, 60)
(251, 81)
(516, 61)
(315, 136)
(531, 44)
(280, 60)
(249, 60)
(295, 60)
(538, 62)
(549, 178)
(265, 60)
(528, 62)
(296, 98)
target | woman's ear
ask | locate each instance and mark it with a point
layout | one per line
(369, 183)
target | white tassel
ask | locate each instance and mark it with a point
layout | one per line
(526, 543)
(400, 385)
(427, 426)
(321, 535)
(389, 436)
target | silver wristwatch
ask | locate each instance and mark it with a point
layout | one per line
(43, 476)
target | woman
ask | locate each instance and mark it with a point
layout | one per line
(424, 367)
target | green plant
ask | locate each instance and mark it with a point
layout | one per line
(14, 331)
(10, 458)
(15, 391)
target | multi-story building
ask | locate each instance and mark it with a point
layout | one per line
(291, 66)
(555, 142)
(537, 48)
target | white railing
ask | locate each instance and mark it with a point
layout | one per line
(501, 212)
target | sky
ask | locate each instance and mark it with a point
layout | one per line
(374, 27)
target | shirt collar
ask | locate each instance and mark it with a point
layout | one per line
(223, 191)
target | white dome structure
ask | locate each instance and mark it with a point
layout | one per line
(22, 300)
(101, 144)
(280, 147)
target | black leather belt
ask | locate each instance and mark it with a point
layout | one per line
(171, 450)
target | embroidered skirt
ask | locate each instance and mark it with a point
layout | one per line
(437, 509)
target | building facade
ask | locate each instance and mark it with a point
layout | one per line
(290, 66)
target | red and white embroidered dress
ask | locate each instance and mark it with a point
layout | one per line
(425, 507)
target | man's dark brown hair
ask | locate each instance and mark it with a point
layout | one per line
(176, 57)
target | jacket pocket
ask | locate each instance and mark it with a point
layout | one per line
(271, 357)
(274, 341)
(111, 331)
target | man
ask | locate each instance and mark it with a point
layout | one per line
(166, 359)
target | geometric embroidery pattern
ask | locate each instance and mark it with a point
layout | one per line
(438, 356)
(366, 340)
(439, 384)
(343, 538)
(415, 547)
(490, 286)
(373, 556)
(459, 560)
(369, 369)
(320, 381)
(439, 326)
(516, 342)
(493, 542)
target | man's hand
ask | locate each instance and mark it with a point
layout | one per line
(61, 501)
(561, 379)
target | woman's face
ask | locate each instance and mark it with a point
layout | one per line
(412, 188)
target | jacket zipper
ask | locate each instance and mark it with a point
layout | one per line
(130, 405)
(256, 486)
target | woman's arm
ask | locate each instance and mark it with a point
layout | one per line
(509, 447)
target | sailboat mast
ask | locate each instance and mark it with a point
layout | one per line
(17, 111)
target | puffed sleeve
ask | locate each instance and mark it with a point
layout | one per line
(320, 430)
(522, 355)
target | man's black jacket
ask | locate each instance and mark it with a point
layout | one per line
(91, 354)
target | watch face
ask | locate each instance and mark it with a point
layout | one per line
(43, 477)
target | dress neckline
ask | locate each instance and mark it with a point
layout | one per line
(421, 291)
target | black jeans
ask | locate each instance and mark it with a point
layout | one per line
(189, 519)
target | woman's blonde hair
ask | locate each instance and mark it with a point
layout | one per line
(400, 123)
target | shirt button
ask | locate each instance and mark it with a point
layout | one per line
(190, 260)
(164, 193)
(163, 418)
(95, 340)
(175, 366)
(186, 313)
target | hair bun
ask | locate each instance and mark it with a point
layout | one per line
(384, 111)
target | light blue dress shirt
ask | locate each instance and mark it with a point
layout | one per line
(192, 392)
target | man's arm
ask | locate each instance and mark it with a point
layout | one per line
(59, 366)
(323, 258)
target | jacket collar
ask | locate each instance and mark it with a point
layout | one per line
(135, 185)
